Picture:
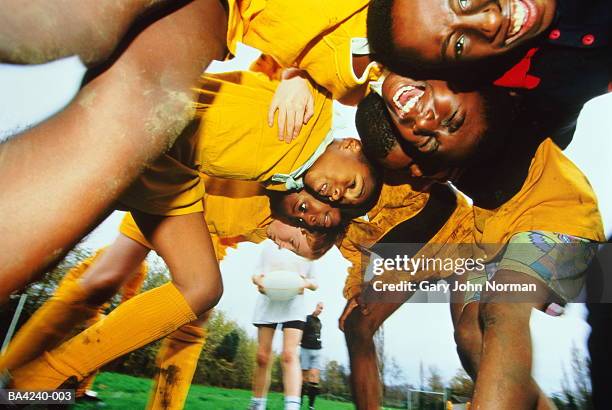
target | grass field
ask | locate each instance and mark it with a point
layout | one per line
(122, 392)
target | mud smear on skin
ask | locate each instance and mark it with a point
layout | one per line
(170, 118)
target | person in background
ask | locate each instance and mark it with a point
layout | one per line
(310, 356)
(268, 315)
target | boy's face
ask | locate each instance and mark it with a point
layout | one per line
(340, 175)
(444, 32)
(289, 237)
(433, 121)
(305, 210)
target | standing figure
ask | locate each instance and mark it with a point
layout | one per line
(310, 356)
(271, 313)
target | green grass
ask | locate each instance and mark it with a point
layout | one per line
(122, 392)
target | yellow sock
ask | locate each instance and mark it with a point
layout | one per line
(88, 381)
(52, 322)
(133, 285)
(177, 360)
(141, 320)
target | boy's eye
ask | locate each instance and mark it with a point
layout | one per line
(302, 208)
(464, 4)
(456, 125)
(454, 122)
(352, 185)
(459, 46)
(301, 221)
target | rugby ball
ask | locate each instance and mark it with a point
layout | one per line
(282, 285)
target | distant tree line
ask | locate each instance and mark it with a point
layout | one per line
(228, 357)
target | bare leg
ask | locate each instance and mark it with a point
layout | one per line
(504, 376)
(468, 336)
(193, 264)
(261, 377)
(112, 269)
(74, 302)
(38, 31)
(292, 375)
(62, 175)
(359, 332)
(305, 376)
(315, 375)
(196, 288)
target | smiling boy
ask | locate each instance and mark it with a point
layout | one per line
(555, 53)
(248, 149)
(428, 127)
(524, 193)
(227, 202)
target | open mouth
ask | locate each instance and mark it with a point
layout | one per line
(430, 145)
(406, 98)
(523, 14)
(326, 221)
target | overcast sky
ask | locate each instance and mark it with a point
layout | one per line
(417, 332)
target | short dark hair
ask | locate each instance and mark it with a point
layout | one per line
(322, 241)
(375, 172)
(377, 132)
(379, 135)
(276, 203)
(380, 29)
(380, 38)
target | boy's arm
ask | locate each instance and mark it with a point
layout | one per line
(38, 31)
(78, 162)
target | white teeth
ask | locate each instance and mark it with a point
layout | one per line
(410, 103)
(519, 16)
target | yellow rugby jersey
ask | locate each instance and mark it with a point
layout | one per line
(555, 197)
(232, 140)
(226, 203)
(400, 202)
(314, 35)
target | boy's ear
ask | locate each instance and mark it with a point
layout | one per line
(351, 144)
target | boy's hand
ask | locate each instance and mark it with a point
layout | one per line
(294, 102)
(257, 281)
(305, 285)
(352, 304)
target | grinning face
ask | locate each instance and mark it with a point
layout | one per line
(451, 31)
(341, 174)
(289, 237)
(434, 122)
(305, 210)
